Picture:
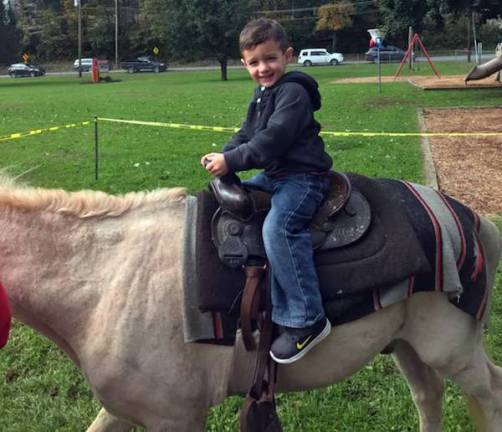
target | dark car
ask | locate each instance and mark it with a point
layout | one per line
(25, 70)
(142, 64)
(388, 53)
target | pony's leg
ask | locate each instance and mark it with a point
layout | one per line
(481, 381)
(106, 422)
(425, 383)
(184, 422)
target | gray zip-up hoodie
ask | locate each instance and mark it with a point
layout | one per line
(280, 133)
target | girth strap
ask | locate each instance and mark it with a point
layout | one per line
(250, 304)
(258, 413)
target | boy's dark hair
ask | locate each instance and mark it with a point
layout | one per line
(261, 30)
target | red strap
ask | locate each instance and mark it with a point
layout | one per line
(5, 317)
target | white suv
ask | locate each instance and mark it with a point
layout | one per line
(104, 65)
(318, 56)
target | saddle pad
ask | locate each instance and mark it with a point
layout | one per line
(390, 245)
(449, 233)
(446, 230)
(388, 253)
(201, 325)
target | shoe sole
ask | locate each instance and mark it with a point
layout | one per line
(325, 332)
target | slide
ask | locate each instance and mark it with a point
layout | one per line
(486, 69)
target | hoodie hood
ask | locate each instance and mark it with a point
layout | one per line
(309, 83)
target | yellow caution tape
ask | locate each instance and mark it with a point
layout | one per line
(328, 133)
(39, 131)
(409, 134)
(173, 125)
(234, 129)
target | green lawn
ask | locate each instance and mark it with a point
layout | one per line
(39, 389)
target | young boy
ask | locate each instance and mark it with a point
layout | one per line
(281, 136)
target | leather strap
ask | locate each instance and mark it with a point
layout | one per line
(258, 412)
(265, 369)
(250, 303)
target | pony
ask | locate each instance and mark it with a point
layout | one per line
(100, 275)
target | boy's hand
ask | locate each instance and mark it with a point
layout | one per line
(215, 163)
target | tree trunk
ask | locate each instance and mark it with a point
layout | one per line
(223, 67)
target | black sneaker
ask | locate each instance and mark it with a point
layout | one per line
(294, 343)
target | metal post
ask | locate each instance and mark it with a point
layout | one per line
(475, 39)
(410, 38)
(96, 148)
(468, 40)
(379, 70)
(116, 34)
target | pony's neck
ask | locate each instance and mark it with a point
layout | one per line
(37, 252)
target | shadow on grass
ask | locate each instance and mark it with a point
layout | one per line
(24, 83)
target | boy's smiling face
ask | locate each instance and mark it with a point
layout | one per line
(266, 62)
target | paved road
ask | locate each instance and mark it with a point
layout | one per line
(484, 58)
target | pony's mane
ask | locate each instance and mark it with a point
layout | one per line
(83, 204)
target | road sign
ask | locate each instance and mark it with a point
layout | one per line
(155, 50)
(26, 57)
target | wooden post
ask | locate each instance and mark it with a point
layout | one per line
(410, 39)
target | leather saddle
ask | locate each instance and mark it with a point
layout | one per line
(236, 227)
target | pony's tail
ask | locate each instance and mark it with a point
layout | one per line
(477, 414)
(491, 243)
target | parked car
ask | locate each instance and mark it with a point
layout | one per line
(25, 70)
(86, 64)
(143, 64)
(388, 53)
(319, 56)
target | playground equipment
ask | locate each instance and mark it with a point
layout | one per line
(409, 54)
(489, 68)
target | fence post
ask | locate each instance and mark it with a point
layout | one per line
(96, 148)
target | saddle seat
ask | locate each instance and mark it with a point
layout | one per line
(236, 227)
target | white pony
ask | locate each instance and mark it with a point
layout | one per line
(101, 276)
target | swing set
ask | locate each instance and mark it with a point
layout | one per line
(408, 55)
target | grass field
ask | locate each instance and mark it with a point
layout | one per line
(40, 390)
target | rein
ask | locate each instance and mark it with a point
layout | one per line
(5, 317)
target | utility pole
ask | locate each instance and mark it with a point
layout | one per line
(116, 34)
(79, 24)
(468, 39)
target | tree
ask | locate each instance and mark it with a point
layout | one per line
(55, 42)
(9, 35)
(152, 27)
(334, 17)
(209, 25)
(101, 31)
(399, 15)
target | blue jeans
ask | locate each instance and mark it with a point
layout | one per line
(296, 298)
